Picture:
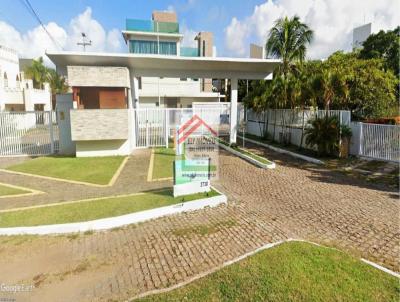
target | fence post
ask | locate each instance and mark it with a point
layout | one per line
(360, 138)
(51, 132)
(166, 127)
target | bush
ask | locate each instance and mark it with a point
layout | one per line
(324, 134)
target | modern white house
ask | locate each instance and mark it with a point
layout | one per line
(16, 92)
(161, 36)
(148, 91)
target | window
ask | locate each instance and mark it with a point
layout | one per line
(151, 47)
(139, 82)
(204, 48)
(5, 80)
(167, 48)
(18, 84)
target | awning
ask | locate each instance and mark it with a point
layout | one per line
(170, 66)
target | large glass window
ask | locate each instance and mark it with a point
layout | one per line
(151, 47)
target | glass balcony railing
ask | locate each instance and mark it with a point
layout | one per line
(152, 26)
(189, 52)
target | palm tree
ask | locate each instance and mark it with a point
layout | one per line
(37, 72)
(328, 85)
(288, 40)
(57, 82)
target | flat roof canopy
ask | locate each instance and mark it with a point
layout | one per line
(171, 66)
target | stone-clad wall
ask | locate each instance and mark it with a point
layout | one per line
(98, 76)
(99, 124)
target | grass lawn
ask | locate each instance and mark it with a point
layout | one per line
(8, 191)
(94, 209)
(163, 162)
(96, 170)
(293, 271)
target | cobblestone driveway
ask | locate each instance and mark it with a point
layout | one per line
(294, 200)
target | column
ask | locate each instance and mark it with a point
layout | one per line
(134, 97)
(233, 114)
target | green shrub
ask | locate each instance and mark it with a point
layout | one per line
(324, 134)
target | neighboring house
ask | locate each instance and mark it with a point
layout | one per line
(16, 92)
(360, 34)
(159, 36)
(257, 52)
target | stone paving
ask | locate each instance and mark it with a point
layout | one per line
(294, 200)
(131, 180)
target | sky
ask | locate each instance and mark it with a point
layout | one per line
(235, 23)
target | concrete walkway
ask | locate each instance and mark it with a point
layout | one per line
(294, 200)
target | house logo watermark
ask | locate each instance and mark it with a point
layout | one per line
(196, 138)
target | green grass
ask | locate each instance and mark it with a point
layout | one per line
(94, 209)
(293, 271)
(96, 170)
(8, 191)
(163, 162)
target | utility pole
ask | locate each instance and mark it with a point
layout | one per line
(84, 42)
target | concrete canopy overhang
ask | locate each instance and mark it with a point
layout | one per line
(171, 66)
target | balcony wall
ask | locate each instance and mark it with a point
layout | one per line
(12, 96)
(189, 52)
(152, 26)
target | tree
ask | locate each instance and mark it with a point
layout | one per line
(329, 84)
(41, 74)
(37, 72)
(372, 90)
(288, 40)
(383, 45)
(57, 82)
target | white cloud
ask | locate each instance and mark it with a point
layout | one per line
(331, 20)
(188, 36)
(35, 42)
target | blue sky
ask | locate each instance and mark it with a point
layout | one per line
(208, 15)
(235, 23)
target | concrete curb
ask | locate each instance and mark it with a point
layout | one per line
(248, 158)
(114, 222)
(279, 150)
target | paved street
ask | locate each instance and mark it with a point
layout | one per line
(294, 200)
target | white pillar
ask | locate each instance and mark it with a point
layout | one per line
(134, 99)
(233, 114)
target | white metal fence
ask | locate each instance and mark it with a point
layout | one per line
(287, 124)
(28, 133)
(156, 126)
(379, 141)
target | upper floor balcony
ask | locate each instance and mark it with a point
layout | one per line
(189, 52)
(152, 26)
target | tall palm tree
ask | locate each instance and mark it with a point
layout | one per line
(288, 40)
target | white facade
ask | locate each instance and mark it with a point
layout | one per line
(172, 92)
(168, 92)
(16, 92)
(360, 34)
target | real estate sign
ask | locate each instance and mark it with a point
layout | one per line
(191, 176)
